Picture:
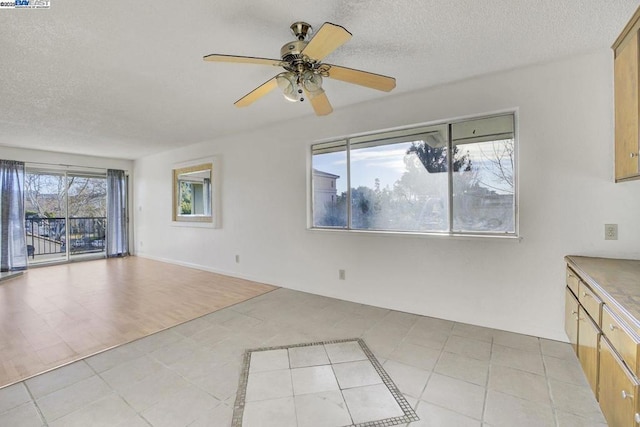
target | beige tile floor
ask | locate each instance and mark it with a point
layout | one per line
(335, 383)
(453, 374)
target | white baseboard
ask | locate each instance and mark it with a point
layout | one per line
(205, 268)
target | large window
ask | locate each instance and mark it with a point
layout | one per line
(449, 178)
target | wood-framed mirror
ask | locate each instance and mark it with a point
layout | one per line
(193, 194)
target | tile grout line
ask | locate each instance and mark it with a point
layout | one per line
(164, 365)
(239, 404)
(442, 351)
(391, 386)
(293, 393)
(486, 383)
(35, 403)
(337, 382)
(116, 392)
(431, 371)
(545, 374)
(548, 384)
(342, 394)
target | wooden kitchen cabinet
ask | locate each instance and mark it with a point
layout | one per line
(607, 332)
(623, 339)
(571, 318)
(627, 101)
(618, 389)
(588, 340)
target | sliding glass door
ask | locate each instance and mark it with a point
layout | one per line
(65, 215)
(45, 215)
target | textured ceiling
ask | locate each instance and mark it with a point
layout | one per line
(126, 78)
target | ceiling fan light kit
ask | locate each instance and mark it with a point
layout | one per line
(304, 71)
(288, 83)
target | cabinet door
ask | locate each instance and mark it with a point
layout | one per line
(588, 340)
(626, 107)
(618, 389)
(571, 318)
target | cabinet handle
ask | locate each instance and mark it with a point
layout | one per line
(584, 294)
(636, 418)
(625, 395)
(632, 155)
(612, 326)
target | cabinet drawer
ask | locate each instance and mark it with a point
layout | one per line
(623, 339)
(618, 389)
(591, 302)
(573, 282)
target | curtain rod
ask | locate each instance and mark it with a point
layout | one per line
(67, 166)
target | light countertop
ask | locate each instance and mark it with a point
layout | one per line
(616, 281)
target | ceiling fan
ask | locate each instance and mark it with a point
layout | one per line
(304, 70)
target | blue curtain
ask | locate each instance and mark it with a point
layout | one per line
(117, 236)
(13, 239)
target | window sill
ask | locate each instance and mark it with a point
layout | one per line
(194, 224)
(432, 235)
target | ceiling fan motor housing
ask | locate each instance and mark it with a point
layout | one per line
(292, 52)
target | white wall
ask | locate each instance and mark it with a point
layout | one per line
(53, 158)
(567, 194)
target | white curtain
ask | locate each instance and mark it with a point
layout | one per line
(13, 239)
(117, 236)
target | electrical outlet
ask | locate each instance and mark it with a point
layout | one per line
(611, 232)
(341, 274)
(237, 259)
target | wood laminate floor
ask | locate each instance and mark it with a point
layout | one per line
(55, 315)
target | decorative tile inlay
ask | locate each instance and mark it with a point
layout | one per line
(405, 408)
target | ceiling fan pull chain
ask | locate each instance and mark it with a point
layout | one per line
(299, 85)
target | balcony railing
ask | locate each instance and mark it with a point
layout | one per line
(47, 236)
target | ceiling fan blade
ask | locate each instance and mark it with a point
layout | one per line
(319, 102)
(242, 59)
(362, 78)
(328, 38)
(257, 93)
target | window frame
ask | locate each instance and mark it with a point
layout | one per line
(405, 132)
